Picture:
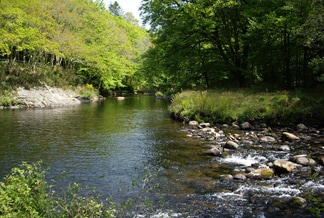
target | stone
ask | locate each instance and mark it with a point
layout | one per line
(301, 127)
(303, 160)
(267, 139)
(289, 136)
(245, 125)
(193, 124)
(283, 166)
(231, 145)
(246, 142)
(205, 125)
(207, 130)
(263, 125)
(226, 177)
(213, 152)
(261, 173)
(239, 176)
(321, 160)
(284, 148)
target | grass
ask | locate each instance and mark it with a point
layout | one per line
(281, 107)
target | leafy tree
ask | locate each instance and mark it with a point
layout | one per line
(115, 9)
(78, 41)
(209, 43)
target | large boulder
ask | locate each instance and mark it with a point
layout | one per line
(283, 166)
(289, 137)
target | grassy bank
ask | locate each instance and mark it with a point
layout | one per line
(276, 108)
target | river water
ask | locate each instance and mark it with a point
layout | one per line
(110, 144)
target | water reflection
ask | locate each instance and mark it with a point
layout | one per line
(105, 144)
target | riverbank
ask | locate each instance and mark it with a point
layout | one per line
(281, 108)
(45, 96)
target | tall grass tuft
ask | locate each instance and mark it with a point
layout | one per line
(280, 107)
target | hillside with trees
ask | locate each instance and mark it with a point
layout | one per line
(69, 43)
(235, 43)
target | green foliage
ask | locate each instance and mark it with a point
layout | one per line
(244, 105)
(208, 44)
(54, 41)
(72, 204)
(88, 92)
(25, 193)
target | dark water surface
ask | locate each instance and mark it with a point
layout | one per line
(110, 143)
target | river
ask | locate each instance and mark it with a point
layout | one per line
(111, 143)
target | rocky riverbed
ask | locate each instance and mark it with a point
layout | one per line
(280, 170)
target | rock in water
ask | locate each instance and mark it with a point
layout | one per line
(283, 166)
(303, 160)
(289, 136)
(261, 173)
(231, 145)
(213, 152)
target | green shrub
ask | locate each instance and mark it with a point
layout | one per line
(23, 193)
(88, 92)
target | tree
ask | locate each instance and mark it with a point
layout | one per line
(115, 9)
(237, 42)
(77, 40)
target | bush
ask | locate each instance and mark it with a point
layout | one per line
(25, 193)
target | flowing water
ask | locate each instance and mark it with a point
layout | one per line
(110, 144)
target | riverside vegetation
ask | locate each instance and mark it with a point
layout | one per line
(273, 108)
(25, 193)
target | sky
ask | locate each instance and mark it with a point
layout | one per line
(127, 6)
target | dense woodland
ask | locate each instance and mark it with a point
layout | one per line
(70, 43)
(191, 44)
(235, 43)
